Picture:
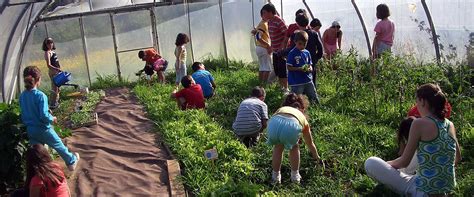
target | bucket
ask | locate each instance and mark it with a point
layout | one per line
(61, 78)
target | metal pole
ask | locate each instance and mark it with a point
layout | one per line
(253, 15)
(281, 8)
(361, 19)
(156, 43)
(223, 35)
(433, 31)
(189, 28)
(5, 53)
(84, 47)
(20, 55)
(46, 29)
(309, 10)
(117, 61)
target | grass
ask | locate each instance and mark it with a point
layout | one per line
(357, 119)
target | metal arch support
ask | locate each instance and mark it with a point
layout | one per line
(117, 61)
(84, 48)
(369, 47)
(433, 31)
(223, 34)
(5, 54)
(309, 9)
(189, 28)
(23, 44)
(156, 40)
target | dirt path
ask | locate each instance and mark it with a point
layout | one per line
(119, 156)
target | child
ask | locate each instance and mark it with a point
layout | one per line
(402, 139)
(284, 129)
(52, 61)
(43, 176)
(252, 117)
(294, 26)
(299, 68)
(434, 139)
(314, 46)
(180, 53)
(384, 30)
(277, 30)
(332, 39)
(263, 50)
(204, 78)
(191, 96)
(35, 115)
(154, 62)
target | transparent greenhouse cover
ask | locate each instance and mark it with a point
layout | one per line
(102, 37)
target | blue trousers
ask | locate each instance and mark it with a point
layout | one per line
(308, 89)
(51, 138)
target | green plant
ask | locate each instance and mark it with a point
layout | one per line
(13, 145)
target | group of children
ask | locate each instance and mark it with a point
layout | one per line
(430, 136)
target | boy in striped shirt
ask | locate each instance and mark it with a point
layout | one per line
(277, 30)
(251, 117)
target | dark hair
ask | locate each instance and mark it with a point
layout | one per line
(435, 97)
(39, 163)
(301, 36)
(181, 39)
(296, 100)
(258, 91)
(31, 75)
(404, 129)
(269, 7)
(315, 22)
(196, 66)
(300, 12)
(46, 41)
(302, 20)
(186, 81)
(141, 54)
(382, 11)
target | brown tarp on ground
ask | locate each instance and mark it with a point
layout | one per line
(119, 156)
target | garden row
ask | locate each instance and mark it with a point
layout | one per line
(357, 119)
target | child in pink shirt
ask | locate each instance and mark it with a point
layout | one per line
(384, 30)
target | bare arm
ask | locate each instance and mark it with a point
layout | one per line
(401, 148)
(339, 41)
(264, 123)
(374, 45)
(410, 148)
(308, 139)
(458, 150)
(292, 68)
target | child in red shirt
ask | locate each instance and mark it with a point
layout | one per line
(43, 176)
(191, 97)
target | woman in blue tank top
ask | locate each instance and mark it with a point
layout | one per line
(434, 137)
(54, 68)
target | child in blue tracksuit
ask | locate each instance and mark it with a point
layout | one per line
(37, 118)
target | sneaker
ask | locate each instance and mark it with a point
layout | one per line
(73, 166)
(276, 177)
(295, 177)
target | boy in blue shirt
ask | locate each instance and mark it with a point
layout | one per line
(300, 78)
(204, 78)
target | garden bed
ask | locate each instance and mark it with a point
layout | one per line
(357, 119)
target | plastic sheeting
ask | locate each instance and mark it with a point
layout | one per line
(15, 19)
(211, 35)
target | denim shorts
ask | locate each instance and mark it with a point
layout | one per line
(283, 130)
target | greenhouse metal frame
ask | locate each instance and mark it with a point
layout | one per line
(218, 26)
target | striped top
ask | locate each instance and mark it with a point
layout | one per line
(277, 30)
(249, 116)
(435, 174)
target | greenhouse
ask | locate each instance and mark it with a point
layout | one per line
(134, 140)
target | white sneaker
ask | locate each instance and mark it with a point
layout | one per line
(73, 166)
(295, 177)
(276, 177)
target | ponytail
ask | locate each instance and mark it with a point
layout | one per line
(31, 75)
(435, 97)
